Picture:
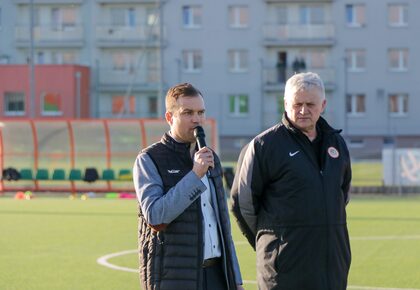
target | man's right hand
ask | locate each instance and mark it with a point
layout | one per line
(203, 159)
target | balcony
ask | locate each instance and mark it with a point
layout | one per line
(119, 80)
(50, 35)
(275, 79)
(298, 34)
(127, 36)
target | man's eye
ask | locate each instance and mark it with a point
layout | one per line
(201, 113)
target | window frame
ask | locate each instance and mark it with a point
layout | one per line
(188, 20)
(354, 15)
(401, 67)
(401, 98)
(234, 60)
(401, 7)
(14, 113)
(235, 12)
(352, 57)
(50, 113)
(189, 59)
(236, 98)
(352, 100)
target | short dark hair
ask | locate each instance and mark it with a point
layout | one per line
(178, 91)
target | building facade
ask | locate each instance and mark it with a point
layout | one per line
(239, 53)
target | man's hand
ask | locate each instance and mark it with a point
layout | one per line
(239, 287)
(203, 159)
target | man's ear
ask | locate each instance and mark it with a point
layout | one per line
(324, 104)
(168, 117)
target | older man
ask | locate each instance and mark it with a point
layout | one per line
(290, 195)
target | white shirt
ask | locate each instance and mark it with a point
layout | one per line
(212, 246)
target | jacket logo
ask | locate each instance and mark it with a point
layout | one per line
(333, 152)
(173, 171)
(291, 154)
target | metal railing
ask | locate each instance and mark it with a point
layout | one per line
(50, 32)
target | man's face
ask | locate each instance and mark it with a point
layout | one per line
(188, 114)
(304, 108)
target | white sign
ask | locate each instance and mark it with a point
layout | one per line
(401, 166)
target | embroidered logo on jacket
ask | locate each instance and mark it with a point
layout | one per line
(291, 154)
(333, 152)
(173, 171)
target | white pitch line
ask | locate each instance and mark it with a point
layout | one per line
(104, 261)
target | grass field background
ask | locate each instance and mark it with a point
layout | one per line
(53, 243)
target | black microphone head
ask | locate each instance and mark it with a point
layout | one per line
(200, 136)
(199, 132)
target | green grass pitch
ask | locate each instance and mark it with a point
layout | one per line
(54, 244)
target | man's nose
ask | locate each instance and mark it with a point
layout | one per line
(303, 109)
(196, 118)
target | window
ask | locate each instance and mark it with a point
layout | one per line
(192, 16)
(313, 14)
(14, 103)
(311, 58)
(281, 14)
(192, 60)
(63, 57)
(398, 104)
(122, 105)
(63, 18)
(355, 15)
(397, 15)
(153, 106)
(118, 17)
(398, 59)
(51, 104)
(40, 57)
(131, 17)
(238, 60)
(238, 105)
(123, 62)
(238, 16)
(356, 104)
(356, 59)
(123, 17)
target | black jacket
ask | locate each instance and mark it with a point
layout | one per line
(291, 207)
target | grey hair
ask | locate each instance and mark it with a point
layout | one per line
(304, 82)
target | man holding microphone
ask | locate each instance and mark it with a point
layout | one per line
(184, 229)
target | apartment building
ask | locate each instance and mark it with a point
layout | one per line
(239, 53)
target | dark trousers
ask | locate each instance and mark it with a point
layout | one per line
(214, 278)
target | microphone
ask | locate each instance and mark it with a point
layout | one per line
(200, 136)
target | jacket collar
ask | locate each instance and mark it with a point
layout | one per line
(170, 142)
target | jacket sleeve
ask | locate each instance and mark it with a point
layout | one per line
(159, 208)
(347, 179)
(246, 191)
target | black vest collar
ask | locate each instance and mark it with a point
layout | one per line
(170, 142)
